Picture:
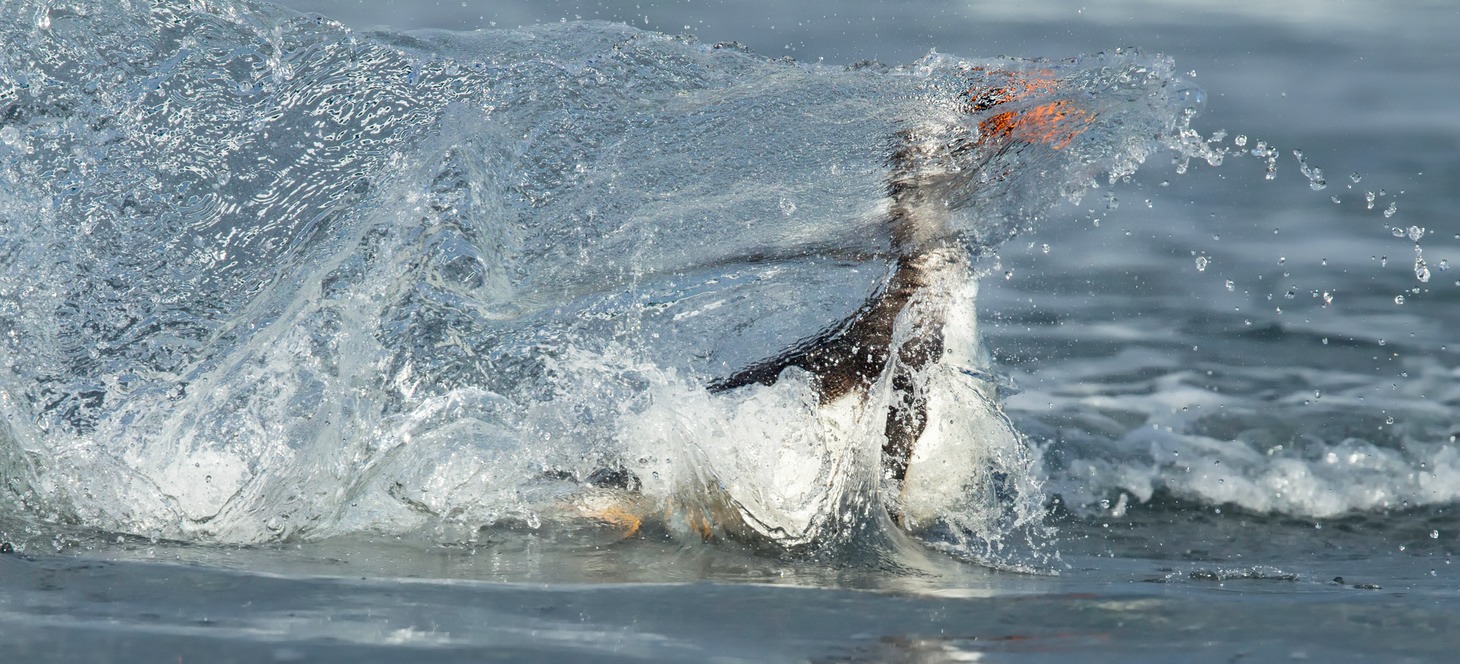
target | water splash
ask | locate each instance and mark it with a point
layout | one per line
(267, 278)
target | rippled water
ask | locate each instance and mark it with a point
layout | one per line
(377, 304)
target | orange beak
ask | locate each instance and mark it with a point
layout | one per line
(1054, 124)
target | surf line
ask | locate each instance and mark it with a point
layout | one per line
(848, 358)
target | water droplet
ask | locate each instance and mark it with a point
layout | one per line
(1391, 210)
(1421, 271)
(1434, 534)
(1282, 259)
(1396, 231)
(1231, 285)
(1008, 274)
(1327, 300)
(1383, 261)
(1314, 175)
(1290, 294)
(1354, 177)
(1201, 263)
(9, 136)
(1415, 232)
(1044, 248)
(1325, 341)
(1240, 140)
(1334, 199)
(1270, 153)
(1369, 200)
(1444, 265)
(1399, 299)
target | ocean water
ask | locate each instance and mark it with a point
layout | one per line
(321, 329)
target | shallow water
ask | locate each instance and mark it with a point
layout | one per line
(1224, 399)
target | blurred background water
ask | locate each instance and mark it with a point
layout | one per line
(1243, 392)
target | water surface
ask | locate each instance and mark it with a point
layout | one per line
(252, 255)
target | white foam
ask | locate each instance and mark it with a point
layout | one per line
(1325, 449)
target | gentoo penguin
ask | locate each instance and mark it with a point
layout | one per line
(848, 358)
(922, 316)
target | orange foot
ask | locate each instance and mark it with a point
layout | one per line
(620, 510)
